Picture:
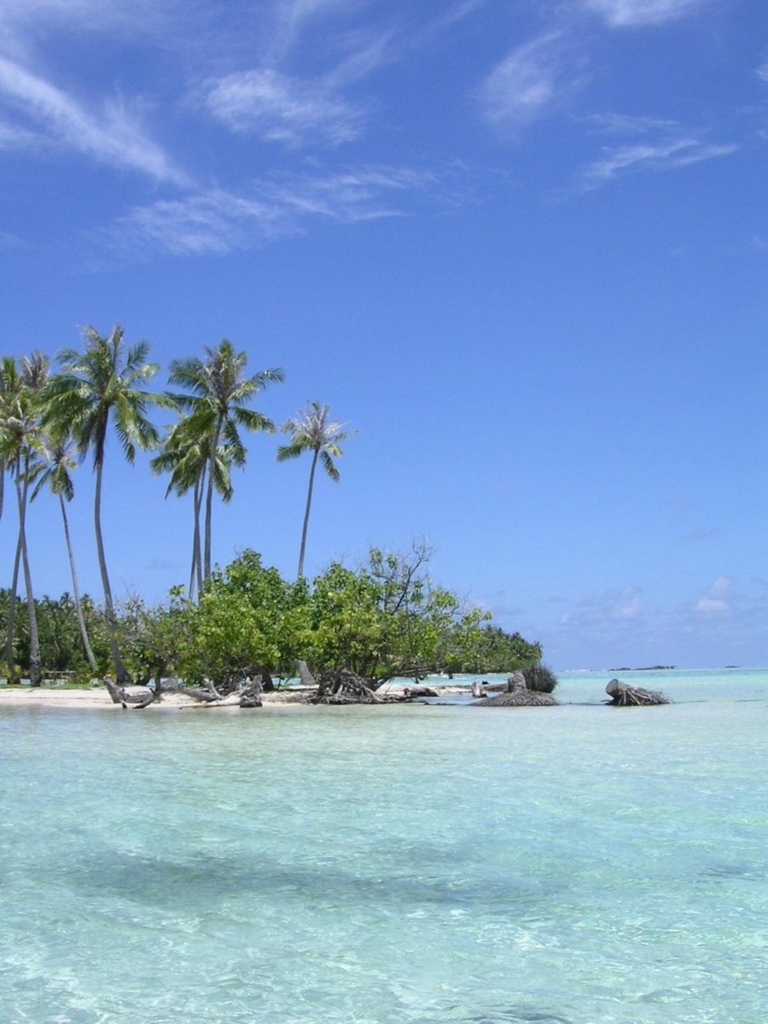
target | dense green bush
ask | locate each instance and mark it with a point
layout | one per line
(384, 618)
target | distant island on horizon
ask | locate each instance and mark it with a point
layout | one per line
(650, 668)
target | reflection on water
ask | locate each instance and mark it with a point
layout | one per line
(399, 865)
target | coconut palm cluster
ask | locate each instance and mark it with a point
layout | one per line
(52, 421)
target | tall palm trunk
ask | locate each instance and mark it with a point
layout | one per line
(76, 589)
(196, 571)
(121, 673)
(21, 556)
(195, 545)
(2, 486)
(12, 677)
(34, 636)
(209, 498)
(315, 455)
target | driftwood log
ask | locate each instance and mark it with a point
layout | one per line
(419, 691)
(136, 697)
(206, 693)
(248, 695)
(632, 696)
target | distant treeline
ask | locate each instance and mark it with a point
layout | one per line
(645, 668)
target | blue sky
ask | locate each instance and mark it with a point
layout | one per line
(521, 246)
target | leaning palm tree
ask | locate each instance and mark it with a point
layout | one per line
(57, 475)
(184, 454)
(312, 432)
(100, 385)
(216, 395)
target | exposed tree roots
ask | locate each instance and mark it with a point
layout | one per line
(632, 696)
(344, 687)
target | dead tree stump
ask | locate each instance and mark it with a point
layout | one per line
(343, 686)
(632, 696)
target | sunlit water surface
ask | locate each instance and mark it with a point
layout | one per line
(398, 865)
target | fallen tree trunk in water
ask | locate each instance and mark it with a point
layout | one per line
(632, 696)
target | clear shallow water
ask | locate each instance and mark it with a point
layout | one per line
(401, 865)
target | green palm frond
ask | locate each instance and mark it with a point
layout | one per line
(327, 463)
(313, 431)
(56, 471)
(97, 385)
(213, 398)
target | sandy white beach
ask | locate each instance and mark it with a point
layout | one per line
(97, 697)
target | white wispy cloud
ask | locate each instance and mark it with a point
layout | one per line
(633, 13)
(447, 19)
(529, 81)
(89, 14)
(612, 606)
(762, 71)
(13, 137)
(218, 221)
(9, 241)
(716, 603)
(284, 109)
(656, 145)
(630, 124)
(659, 156)
(114, 137)
(297, 111)
(26, 24)
(292, 16)
(209, 223)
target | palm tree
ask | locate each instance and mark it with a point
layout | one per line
(96, 387)
(312, 431)
(57, 476)
(20, 450)
(11, 388)
(185, 456)
(8, 380)
(216, 397)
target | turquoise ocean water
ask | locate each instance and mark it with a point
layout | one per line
(399, 865)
